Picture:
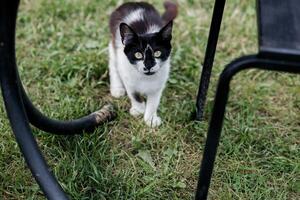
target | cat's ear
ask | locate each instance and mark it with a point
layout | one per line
(166, 31)
(127, 33)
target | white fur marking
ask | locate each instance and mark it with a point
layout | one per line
(116, 86)
(136, 15)
(148, 47)
(153, 28)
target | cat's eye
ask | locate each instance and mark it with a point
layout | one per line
(138, 55)
(157, 54)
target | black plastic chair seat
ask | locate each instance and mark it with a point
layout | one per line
(279, 27)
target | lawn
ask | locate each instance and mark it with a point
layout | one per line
(62, 57)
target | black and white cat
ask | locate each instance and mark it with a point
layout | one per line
(139, 55)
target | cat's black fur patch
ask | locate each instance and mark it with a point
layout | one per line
(157, 42)
(151, 17)
(135, 37)
(138, 97)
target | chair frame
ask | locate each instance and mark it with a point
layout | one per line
(274, 60)
(209, 58)
(21, 111)
(215, 127)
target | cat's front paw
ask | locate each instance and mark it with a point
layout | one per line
(137, 110)
(117, 92)
(153, 121)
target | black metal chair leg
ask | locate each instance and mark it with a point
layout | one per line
(14, 96)
(24, 137)
(209, 57)
(15, 108)
(215, 127)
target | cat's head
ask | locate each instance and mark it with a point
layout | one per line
(147, 52)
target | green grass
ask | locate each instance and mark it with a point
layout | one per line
(62, 57)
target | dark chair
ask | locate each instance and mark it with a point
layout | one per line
(209, 58)
(278, 51)
(21, 111)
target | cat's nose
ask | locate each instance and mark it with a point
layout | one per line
(149, 61)
(149, 68)
(149, 65)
